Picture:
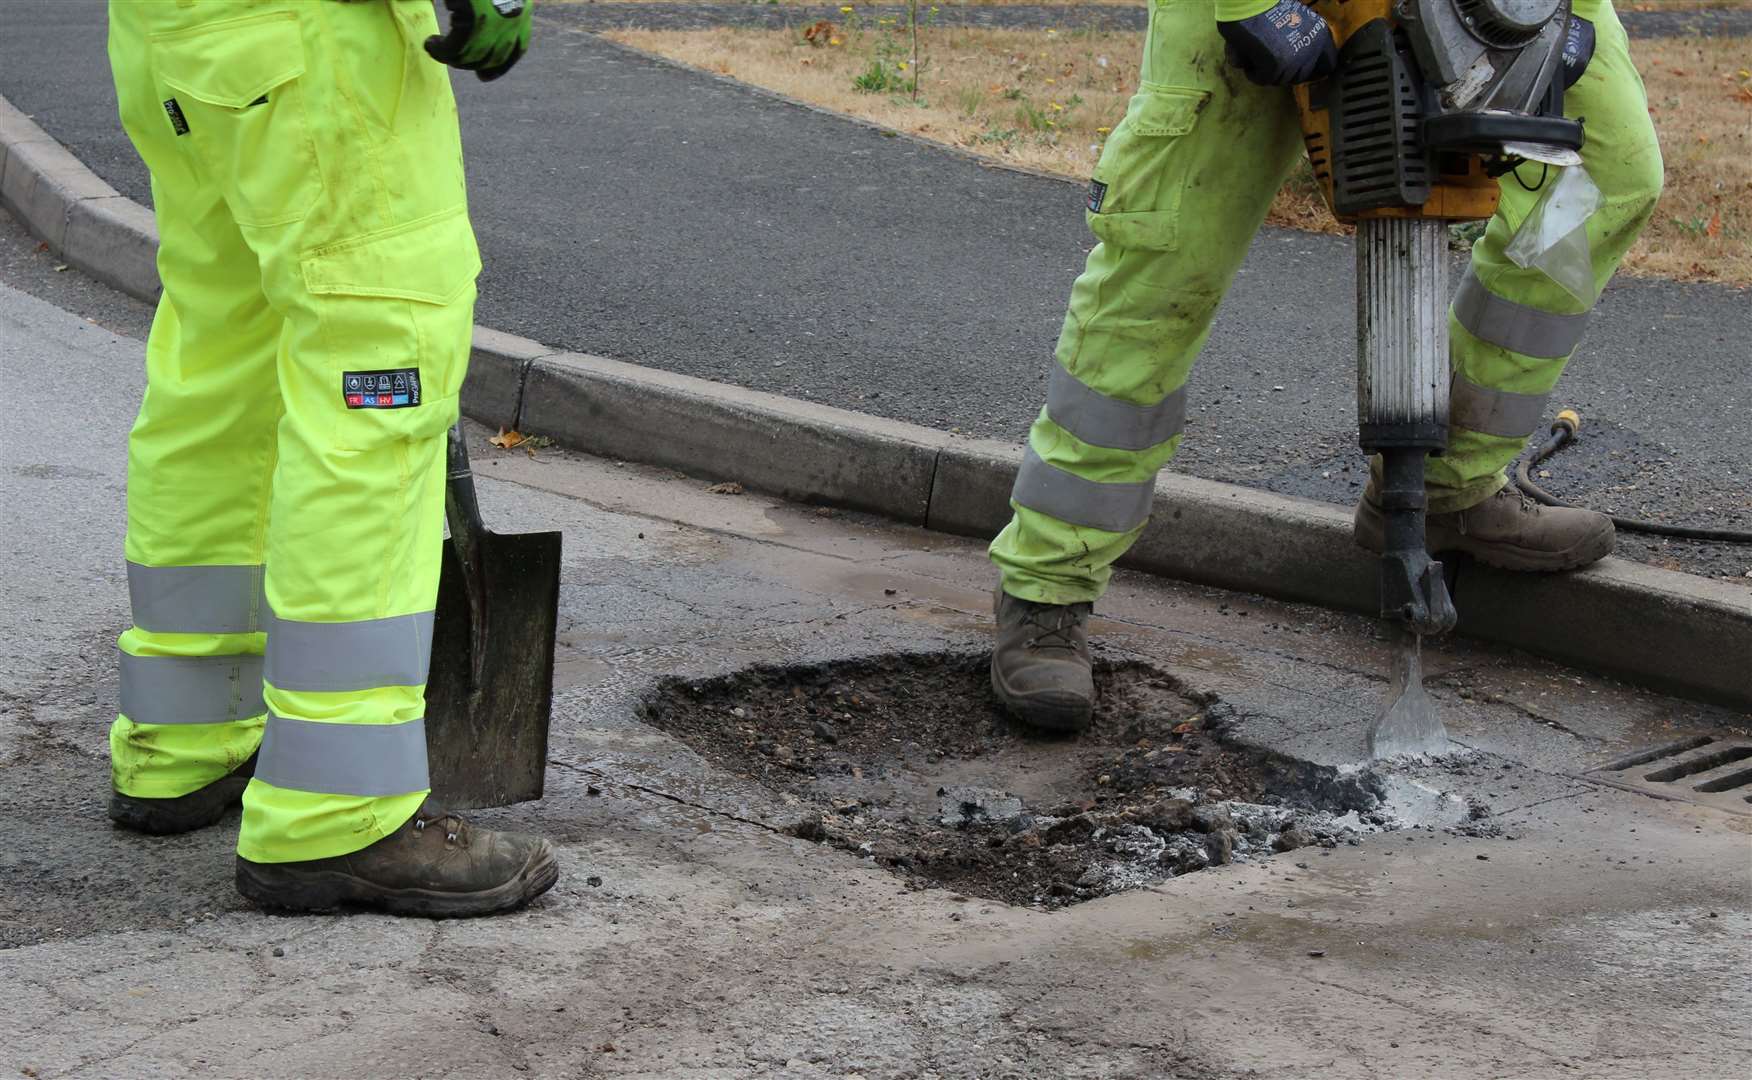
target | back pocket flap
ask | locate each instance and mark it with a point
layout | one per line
(431, 260)
(232, 64)
(1167, 110)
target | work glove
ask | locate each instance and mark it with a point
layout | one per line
(1282, 47)
(486, 36)
(1578, 49)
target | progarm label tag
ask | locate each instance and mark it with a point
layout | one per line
(398, 388)
(1097, 196)
(177, 122)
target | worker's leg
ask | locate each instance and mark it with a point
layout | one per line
(199, 461)
(1183, 184)
(333, 141)
(1514, 329)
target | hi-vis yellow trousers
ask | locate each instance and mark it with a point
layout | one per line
(286, 472)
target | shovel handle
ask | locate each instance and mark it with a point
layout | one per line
(463, 513)
(461, 509)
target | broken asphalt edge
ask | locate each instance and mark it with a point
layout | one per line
(1673, 631)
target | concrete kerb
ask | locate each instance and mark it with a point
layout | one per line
(796, 449)
(82, 219)
(1667, 629)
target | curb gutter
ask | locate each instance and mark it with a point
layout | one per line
(1674, 631)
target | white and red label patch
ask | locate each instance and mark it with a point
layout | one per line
(398, 388)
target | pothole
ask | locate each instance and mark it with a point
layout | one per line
(908, 760)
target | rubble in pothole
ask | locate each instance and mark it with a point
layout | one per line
(907, 760)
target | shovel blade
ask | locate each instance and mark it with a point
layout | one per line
(1409, 722)
(487, 743)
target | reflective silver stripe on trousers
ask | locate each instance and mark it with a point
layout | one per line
(1494, 412)
(197, 599)
(1515, 327)
(1105, 421)
(342, 656)
(1070, 498)
(344, 759)
(191, 689)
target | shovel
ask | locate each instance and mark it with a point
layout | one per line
(489, 697)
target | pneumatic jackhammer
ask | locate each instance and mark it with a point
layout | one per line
(1432, 100)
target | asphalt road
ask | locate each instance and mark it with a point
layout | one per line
(694, 934)
(679, 16)
(633, 209)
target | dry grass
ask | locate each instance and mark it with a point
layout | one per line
(1679, 5)
(1046, 99)
(1700, 95)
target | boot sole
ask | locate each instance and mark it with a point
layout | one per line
(143, 816)
(1366, 532)
(1045, 715)
(276, 888)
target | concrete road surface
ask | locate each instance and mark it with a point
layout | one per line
(1559, 927)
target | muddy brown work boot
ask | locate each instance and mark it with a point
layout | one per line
(1040, 667)
(183, 813)
(435, 865)
(1507, 530)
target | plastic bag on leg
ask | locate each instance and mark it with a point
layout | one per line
(1554, 238)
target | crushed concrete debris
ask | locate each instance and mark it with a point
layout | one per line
(926, 776)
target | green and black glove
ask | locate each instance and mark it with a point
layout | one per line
(486, 36)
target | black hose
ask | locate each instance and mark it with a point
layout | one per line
(1563, 432)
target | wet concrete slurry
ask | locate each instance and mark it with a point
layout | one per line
(1600, 934)
(666, 217)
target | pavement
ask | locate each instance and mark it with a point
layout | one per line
(1572, 929)
(840, 265)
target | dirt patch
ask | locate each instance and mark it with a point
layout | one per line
(909, 761)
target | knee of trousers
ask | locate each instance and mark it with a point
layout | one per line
(1105, 481)
(1630, 192)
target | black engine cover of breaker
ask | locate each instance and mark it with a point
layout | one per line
(1380, 159)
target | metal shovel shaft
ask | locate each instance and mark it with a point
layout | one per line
(462, 513)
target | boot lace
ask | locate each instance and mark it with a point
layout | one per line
(1528, 506)
(455, 829)
(1054, 625)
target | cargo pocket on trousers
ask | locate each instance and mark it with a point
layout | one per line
(396, 309)
(1134, 201)
(233, 90)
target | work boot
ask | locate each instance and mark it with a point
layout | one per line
(435, 866)
(183, 813)
(1040, 667)
(1507, 530)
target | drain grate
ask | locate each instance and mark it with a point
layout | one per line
(1711, 770)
